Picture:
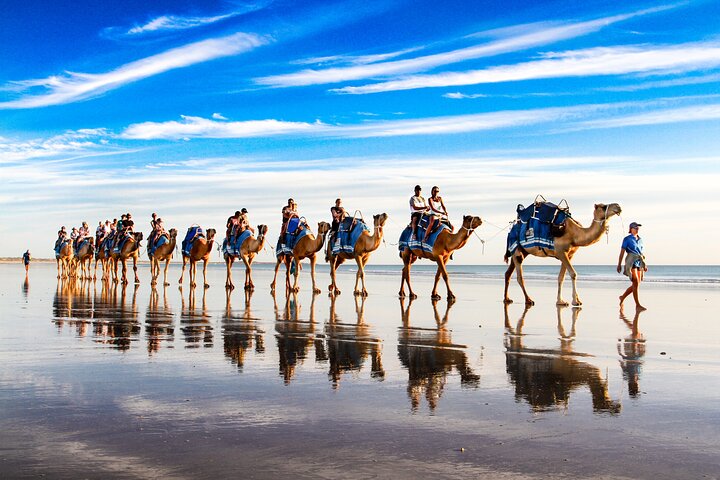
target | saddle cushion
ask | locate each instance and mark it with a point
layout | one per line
(406, 240)
(191, 236)
(347, 236)
(286, 245)
(231, 245)
(536, 226)
(162, 240)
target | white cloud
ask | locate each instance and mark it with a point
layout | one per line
(74, 87)
(577, 63)
(79, 142)
(694, 113)
(526, 39)
(196, 127)
(218, 116)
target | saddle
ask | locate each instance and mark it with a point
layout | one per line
(193, 233)
(538, 225)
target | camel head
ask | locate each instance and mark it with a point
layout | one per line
(173, 233)
(323, 228)
(380, 219)
(603, 212)
(138, 236)
(210, 233)
(470, 222)
(262, 230)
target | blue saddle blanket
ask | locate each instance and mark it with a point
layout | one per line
(81, 245)
(123, 240)
(347, 236)
(286, 245)
(193, 233)
(406, 240)
(60, 246)
(536, 226)
(157, 243)
(231, 245)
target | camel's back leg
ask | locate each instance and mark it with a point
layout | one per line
(508, 276)
(518, 259)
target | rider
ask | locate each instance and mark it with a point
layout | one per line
(83, 233)
(338, 215)
(417, 208)
(232, 226)
(243, 222)
(288, 211)
(438, 212)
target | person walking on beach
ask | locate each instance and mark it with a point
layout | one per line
(634, 266)
(26, 260)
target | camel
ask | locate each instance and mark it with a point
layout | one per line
(163, 252)
(445, 244)
(131, 249)
(366, 244)
(307, 247)
(104, 261)
(575, 236)
(84, 257)
(201, 249)
(249, 248)
(64, 260)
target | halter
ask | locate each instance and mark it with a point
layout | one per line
(606, 215)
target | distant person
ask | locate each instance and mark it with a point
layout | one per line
(26, 260)
(634, 266)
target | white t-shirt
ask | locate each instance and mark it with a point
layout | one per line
(417, 201)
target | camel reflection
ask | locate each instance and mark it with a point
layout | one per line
(429, 356)
(240, 331)
(348, 345)
(545, 378)
(73, 305)
(116, 322)
(295, 336)
(195, 325)
(159, 325)
(631, 350)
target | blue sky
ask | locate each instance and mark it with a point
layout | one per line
(195, 109)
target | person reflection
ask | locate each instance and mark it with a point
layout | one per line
(349, 345)
(240, 331)
(545, 377)
(429, 356)
(294, 336)
(195, 325)
(26, 287)
(159, 319)
(632, 350)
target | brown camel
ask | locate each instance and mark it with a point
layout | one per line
(575, 236)
(64, 260)
(201, 250)
(366, 244)
(84, 258)
(307, 247)
(162, 253)
(131, 249)
(445, 244)
(250, 247)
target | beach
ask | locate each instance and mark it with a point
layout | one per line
(107, 381)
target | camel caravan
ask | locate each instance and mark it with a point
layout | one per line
(542, 229)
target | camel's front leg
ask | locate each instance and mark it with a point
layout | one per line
(192, 272)
(565, 260)
(296, 288)
(205, 264)
(443, 271)
(411, 294)
(521, 279)
(508, 276)
(228, 276)
(182, 272)
(137, 279)
(360, 277)
(124, 271)
(560, 302)
(277, 266)
(332, 288)
(438, 272)
(248, 273)
(313, 259)
(167, 265)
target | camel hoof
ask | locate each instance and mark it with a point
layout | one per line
(357, 293)
(364, 293)
(450, 297)
(577, 303)
(507, 301)
(192, 284)
(529, 302)
(401, 294)
(167, 284)
(316, 291)
(435, 297)
(229, 286)
(562, 303)
(413, 296)
(207, 285)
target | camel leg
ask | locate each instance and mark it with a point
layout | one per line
(443, 271)
(411, 294)
(518, 259)
(360, 277)
(124, 271)
(193, 271)
(508, 276)
(137, 279)
(205, 264)
(277, 266)
(332, 288)
(561, 278)
(248, 273)
(167, 264)
(565, 260)
(313, 259)
(295, 288)
(182, 272)
(228, 276)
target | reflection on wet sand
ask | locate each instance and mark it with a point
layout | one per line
(631, 350)
(26, 287)
(295, 336)
(240, 331)
(73, 305)
(348, 345)
(159, 322)
(429, 356)
(116, 322)
(545, 378)
(195, 325)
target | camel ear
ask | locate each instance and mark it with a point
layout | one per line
(599, 205)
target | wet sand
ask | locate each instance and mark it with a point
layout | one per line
(131, 382)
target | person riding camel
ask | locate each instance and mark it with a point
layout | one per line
(83, 233)
(62, 236)
(417, 208)
(232, 227)
(438, 212)
(244, 222)
(289, 211)
(338, 215)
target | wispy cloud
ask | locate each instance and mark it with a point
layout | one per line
(70, 143)
(576, 63)
(173, 23)
(74, 87)
(695, 113)
(354, 59)
(517, 41)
